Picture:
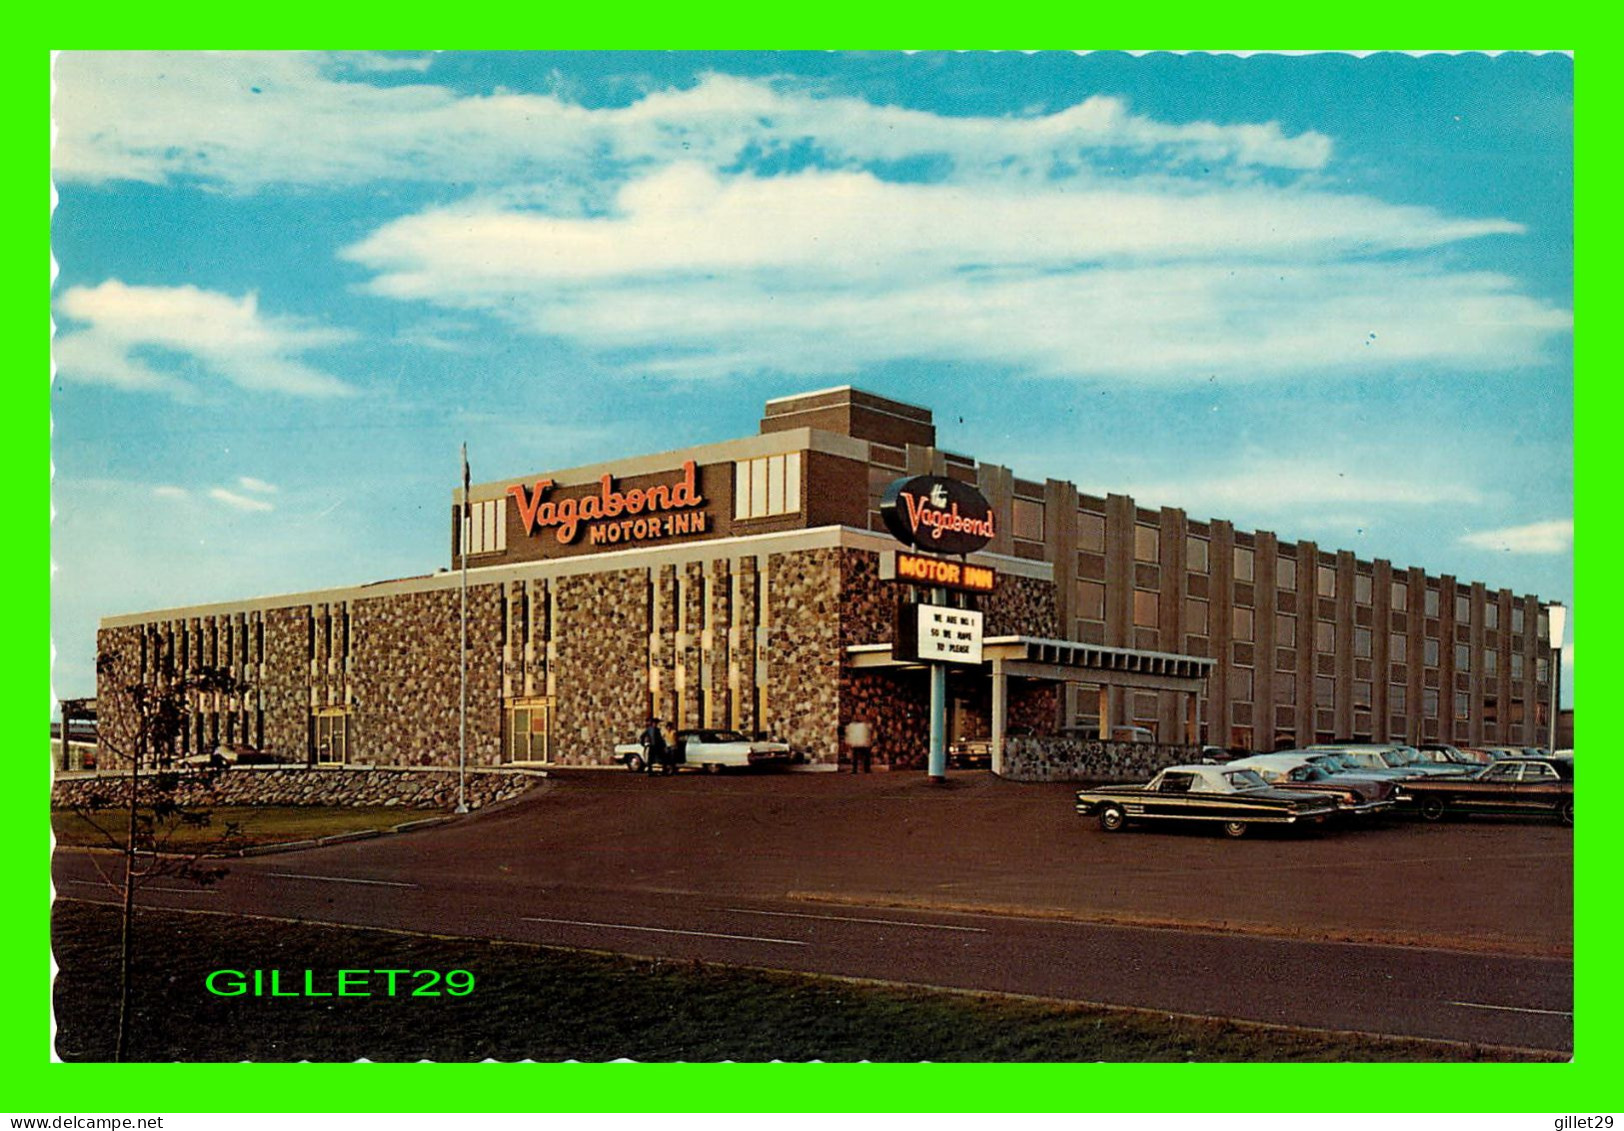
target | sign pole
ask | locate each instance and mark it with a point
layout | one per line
(463, 533)
(938, 709)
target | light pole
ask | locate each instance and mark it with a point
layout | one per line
(1558, 616)
(464, 537)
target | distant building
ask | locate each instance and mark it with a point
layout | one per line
(736, 585)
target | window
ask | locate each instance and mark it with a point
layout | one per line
(1243, 564)
(1463, 706)
(1361, 643)
(1516, 618)
(1325, 636)
(1430, 603)
(767, 486)
(1285, 573)
(1395, 698)
(1361, 694)
(1285, 630)
(1091, 600)
(1243, 624)
(1324, 691)
(331, 732)
(1398, 648)
(1491, 664)
(1463, 609)
(1429, 652)
(1491, 615)
(1401, 596)
(1429, 702)
(1090, 531)
(1240, 685)
(484, 529)
(1285, 688)
(1516, 665)
(1327, 581)
(1195, 617)
(1146, 608)
(1463, 657)
(1195, 551)
(1147, 543)
(529, 728)
(1027, 521)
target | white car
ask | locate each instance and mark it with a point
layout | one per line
(712, 749)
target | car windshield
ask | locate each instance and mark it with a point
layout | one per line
(1244, 779)
(1394, 759)
(723, 736)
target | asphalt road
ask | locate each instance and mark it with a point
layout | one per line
(1460, 931)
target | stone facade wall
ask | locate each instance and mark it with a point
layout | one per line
(804, 659)
(897, 703)
(1022, 606)
(1052, 758)
(331, 787)
(601, 673)
(406, 667)
(115, 709)
(745, 655)
(284, 684)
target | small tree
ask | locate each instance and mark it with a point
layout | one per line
(155, 713)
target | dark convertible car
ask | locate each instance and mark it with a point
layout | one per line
(1237, 799)
(1512, 785)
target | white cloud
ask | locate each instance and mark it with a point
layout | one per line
(239, 502)
(1551, 537)
(822, 273)
(1254, 482)
(228, 337)
(259, 486)
(245, 121)
(170, 492)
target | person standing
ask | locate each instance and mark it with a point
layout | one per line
(668, 749)
(860, 738)
(653, 740)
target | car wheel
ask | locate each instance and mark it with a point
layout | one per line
(634, 763)
(713, 767)
(1113, 819)
(1566, 813)
(1433, 809)
(1234, 828)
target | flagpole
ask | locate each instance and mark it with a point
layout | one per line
(462, 720)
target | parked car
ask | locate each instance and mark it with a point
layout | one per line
(1445, 754)
(232, 754)
(1291, 770)
(1236, 799)
(1118, 733)
(1390, 756)
(713, 750)
(976, 753)
(1511, 785)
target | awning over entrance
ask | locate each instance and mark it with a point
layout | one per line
(1068, 661)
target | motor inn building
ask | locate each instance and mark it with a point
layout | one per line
(738, 585)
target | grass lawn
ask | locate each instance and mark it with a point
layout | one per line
(551, 1005)
(257, 825)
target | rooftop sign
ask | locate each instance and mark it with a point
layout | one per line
(937, 514)
(611, 515)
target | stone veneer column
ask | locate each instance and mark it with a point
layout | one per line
(718, 625)
(602, 663)
(745, 616)
(803, 670)
(665, 650)
(693, 605)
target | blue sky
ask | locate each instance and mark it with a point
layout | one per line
(1325, 296)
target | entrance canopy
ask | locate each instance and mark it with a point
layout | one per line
(1067, 661)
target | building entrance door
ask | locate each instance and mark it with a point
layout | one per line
(529, 730)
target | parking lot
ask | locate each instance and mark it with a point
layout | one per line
(982, 843)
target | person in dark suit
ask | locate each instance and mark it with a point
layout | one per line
(654, 748)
